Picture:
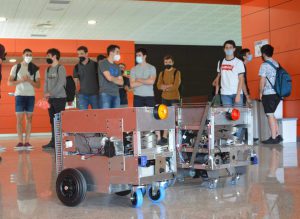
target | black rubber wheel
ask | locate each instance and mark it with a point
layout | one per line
(71, 187)
(123, 193)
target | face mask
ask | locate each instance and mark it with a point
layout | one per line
(168, 66)
(117, 58)
(81, 59)
(249, 58)
(229, 52)
(49, 61)
(139, 59)
(28, 59)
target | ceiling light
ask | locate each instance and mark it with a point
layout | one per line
(92, 22)
(3, 19)
(12, 60)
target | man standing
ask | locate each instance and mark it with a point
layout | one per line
(142, 79)
(2, 58)
(267, 94)
(169, 81)
(231, 71)
(110, 78)
(246, 56)
(25, 76)
(125, 88)
(86, 76)
(54, 89)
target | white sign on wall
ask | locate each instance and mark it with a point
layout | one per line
(258, 45)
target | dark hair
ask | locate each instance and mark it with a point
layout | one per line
(54, 52)
(26, 50)
(169, 57)
(112, 48)
(85, 49)
(142, 50)
(230, 42)
(243, 53)
(268, 50)
(100, 57)
(122, 64)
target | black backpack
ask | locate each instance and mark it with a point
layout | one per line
(175, 73)
(70, 87)
(32, 68)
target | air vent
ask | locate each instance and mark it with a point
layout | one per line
(44, 25)
(38, 35)
(60, 2)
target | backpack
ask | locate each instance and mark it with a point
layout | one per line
(175, 73)
(32, 68)
(70, 87)
(283, 81)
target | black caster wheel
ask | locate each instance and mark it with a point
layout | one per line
(71, 187)
(137, 198)
(123, 193)
(159, 196)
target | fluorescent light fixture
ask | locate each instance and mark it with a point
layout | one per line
(3, 19)
(92, 22)
(12, 60)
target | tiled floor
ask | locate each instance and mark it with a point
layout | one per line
(270, 190)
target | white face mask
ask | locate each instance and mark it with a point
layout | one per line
(117, 58)
(139, 59)
(28, 59)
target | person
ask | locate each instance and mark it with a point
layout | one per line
(231, 71)
(267, 94)
(54, 89)
(25, 77)
(246, 57)
(125, 88)
(110, 78)
(169, 81)
(86, 76)
(142, 79)
(2, 58)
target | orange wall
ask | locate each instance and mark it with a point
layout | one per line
(14, 47)
(278, 21)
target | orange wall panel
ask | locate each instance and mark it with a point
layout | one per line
(252, 6)
(259, 21)
(285, 14)
(289, 61)
(278, 2)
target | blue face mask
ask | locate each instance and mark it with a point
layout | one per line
(229, 52)
(139, 59)
(250, 57)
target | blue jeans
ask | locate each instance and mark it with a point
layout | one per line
(86, 100)
(24, 104)
(108, 101)
(229, 100)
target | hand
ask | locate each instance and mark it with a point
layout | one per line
(26, 78)
(249, 101)
(237, 98)
(260, 96)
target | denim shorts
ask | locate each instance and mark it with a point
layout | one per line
(24, 104)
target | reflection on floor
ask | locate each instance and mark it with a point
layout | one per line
(270, 190)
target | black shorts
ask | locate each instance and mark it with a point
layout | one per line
(139, 101)
(169, 102)
(270, 103)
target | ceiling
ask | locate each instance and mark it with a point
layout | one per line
(141, 21)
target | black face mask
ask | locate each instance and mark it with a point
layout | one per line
(81, 59)
(168, 66)
(49, 61)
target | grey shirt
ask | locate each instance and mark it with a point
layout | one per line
(267, 71)
(106, 86)
(143, 72)
(88, 77)
(55, 81)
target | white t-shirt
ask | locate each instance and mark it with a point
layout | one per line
(267, 71)
(230, 71)
(25, 88)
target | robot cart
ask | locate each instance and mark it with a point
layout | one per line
(213, 142)
(114, 151)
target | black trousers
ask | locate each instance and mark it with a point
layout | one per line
(56, 106)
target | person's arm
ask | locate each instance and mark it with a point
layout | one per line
(61, 80)
(148, 81)
(177, 82)
(116, 80)
(217, 83)
(11, 79)
(76, 77)
(35, 84)
(240, 87)
(262, 84)
(133, 82)
(160, 85)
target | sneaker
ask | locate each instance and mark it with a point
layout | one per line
(19, 146)
(163, 141)
(49, 146)
(27, 145)
(271, 141)
(279, 138)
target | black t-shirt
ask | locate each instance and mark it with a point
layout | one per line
(122, 91)
(88, 77)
